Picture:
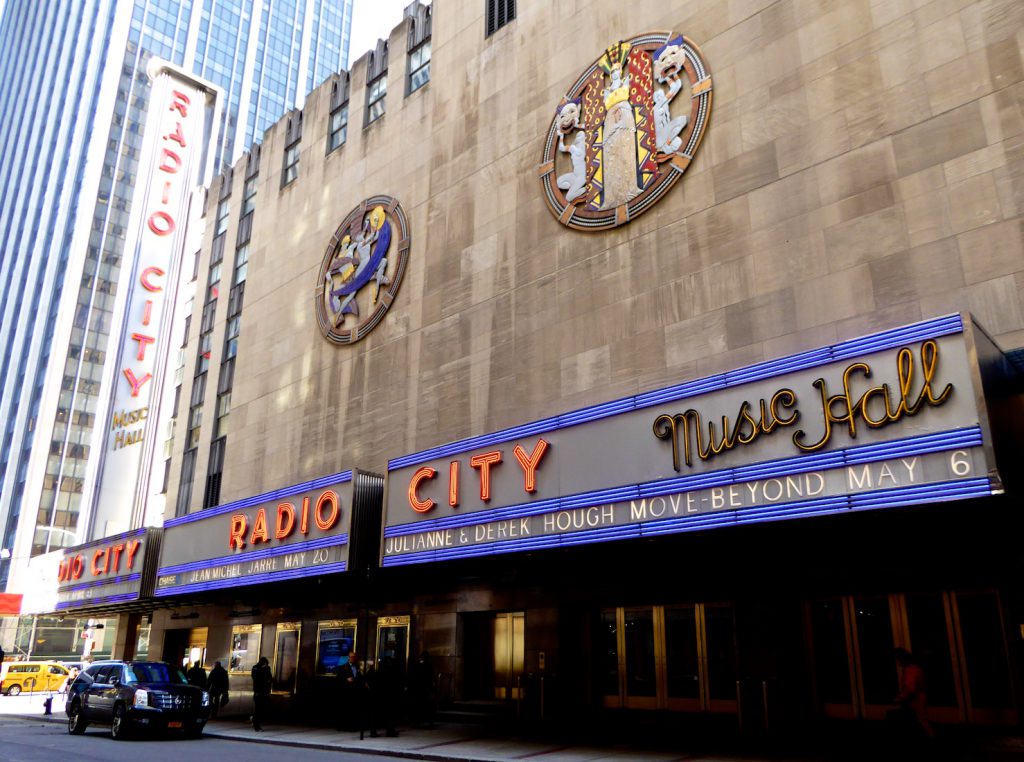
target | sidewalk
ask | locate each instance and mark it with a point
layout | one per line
(443, 743)
(449, 742)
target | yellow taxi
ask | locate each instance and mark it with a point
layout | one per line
(33, 676)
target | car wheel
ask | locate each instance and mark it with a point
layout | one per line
(76, 723)
(196, 732)
(14, 690)
(119, 724)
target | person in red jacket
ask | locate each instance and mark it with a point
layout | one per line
(913, 697)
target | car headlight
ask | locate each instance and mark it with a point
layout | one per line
(141, 698)
(206, 698)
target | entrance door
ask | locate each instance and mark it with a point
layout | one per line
(393, 640)
(196, 647)
(509, 654)
(286, 657)
(958, 638)
(669, 657)
(176, 647)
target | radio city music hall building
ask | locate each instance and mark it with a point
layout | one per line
(647, 359)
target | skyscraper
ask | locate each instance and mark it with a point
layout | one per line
(73, 97)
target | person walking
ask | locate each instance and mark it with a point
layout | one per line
(261, 680)
(196, 676)
(218, 687)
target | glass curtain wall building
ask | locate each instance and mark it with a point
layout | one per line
(73, 99)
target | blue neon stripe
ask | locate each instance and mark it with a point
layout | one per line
(928, 443)
(120, 598)
(254, 579)
(902, 496)
(266, 497)
(256, 555)
(928, 329)
(99, 582)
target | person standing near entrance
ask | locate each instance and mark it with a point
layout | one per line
(218, 687)
(913, 699)
(351, 688)
(261, 679)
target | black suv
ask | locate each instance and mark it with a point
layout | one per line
(129, 695)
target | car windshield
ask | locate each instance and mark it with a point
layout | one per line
(154, 673)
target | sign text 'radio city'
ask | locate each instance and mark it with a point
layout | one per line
(160, 223)
(483, 463)
(325, 513)
(109, 559)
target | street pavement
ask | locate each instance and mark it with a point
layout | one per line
(38, 741)
(26, 734)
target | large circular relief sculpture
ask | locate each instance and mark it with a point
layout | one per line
(626, 131)
(362, 270)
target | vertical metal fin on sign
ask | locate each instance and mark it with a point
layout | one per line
(367, 511)
(154, 538)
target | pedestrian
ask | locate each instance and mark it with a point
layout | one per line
(261, 679)
(351, 688)
(196, 676)
(911, 718)
(218, 687)
(66, 685)
(421, 691)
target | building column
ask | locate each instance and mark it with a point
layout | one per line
(126, 636)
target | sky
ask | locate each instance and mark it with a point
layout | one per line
(371, 20)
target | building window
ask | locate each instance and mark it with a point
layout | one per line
(188, 468)
(231, 337)
(220, 425)
(211, 495)
(419, 66)
(241, 265)
(203, 359)
(375, 93)
(213, 285)
(222, 216)
(195, 420)
(291, 164)
(337, 130)
(499, 13)
(249, 196)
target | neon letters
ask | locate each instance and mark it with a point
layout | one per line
(875, 407)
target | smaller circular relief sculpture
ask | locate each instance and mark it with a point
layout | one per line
(362, 270)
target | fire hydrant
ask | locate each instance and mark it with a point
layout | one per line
(48, 705)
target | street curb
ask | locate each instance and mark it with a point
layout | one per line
(40, 717)
(352, 748)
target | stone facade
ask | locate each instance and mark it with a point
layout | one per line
(863, 168)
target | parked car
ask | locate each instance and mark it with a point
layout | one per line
(33, 676)
(136, 695)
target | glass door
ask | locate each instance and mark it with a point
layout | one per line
(958, 638)
(983, 657)
(196, 653)
(509, 654)
(668, 657)
(393, 640)
(286, 657)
